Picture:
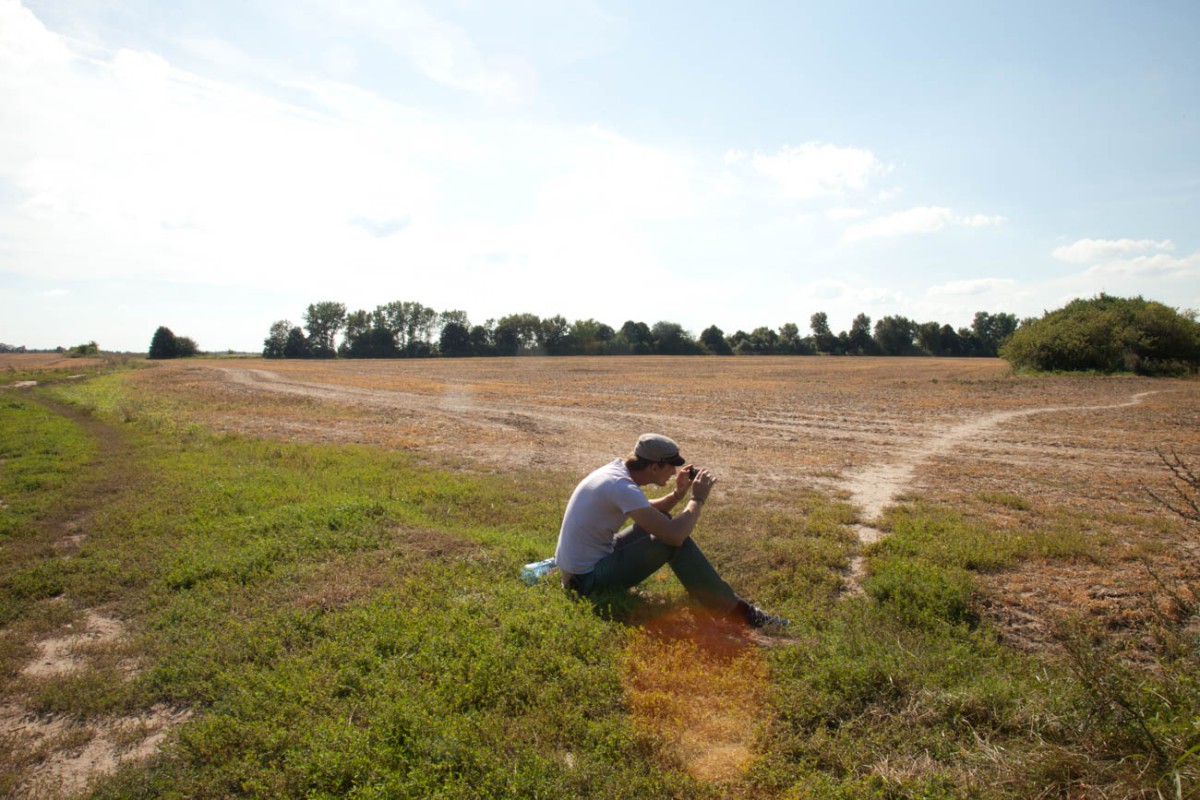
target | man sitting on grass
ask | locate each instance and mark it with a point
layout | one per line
(592, 555)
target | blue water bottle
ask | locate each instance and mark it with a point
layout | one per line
(532, 573)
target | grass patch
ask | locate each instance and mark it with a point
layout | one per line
(788, 553)
(40, 453)
(451, 684)
(348, 622)
(949, 539)
(946, 539)
(1005, 500)
(874, 707)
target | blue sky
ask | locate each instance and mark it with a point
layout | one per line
(217, 166)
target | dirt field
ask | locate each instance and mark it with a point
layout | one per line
(869, 427)
(964, 432)
(23, 362)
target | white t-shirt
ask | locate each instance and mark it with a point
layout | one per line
(597, 509)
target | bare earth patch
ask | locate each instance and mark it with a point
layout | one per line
(48, 362)
(865, 427)
(61, 655)
(70, 753)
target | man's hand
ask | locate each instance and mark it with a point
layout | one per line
(675, 530)
(701, 485)
(683, 481)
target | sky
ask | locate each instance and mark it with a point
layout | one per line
(217, 166)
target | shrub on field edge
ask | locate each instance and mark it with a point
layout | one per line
(1108, 334)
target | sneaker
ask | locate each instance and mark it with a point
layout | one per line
(755, 617)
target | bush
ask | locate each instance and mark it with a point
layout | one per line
(84, 350)
(166, 344)
(1108, 334)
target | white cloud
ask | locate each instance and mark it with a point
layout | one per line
(874, 296)
(845, 213)
(606, 175)
(1087, 251)
(1160, 265)
(981, 220)
(970, 288)
(439, 49)
(134, 166)
(127, 167)
(815, 169)
(828, 289)
(923, 219)
(24, 39)
(1130, 267)
(381, 228)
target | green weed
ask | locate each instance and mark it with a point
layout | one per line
(40, 453)
(946, 539)
(1013, 501)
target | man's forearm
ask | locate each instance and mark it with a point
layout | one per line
(668, 501)
(683, 523)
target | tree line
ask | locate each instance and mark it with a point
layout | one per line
(1103, 334)
(406, 329)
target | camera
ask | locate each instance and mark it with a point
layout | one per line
(692, 472)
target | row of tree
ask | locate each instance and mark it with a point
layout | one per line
(1104, 333)
(78, 351)
(406, 329)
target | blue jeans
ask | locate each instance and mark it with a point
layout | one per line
(637, 555)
